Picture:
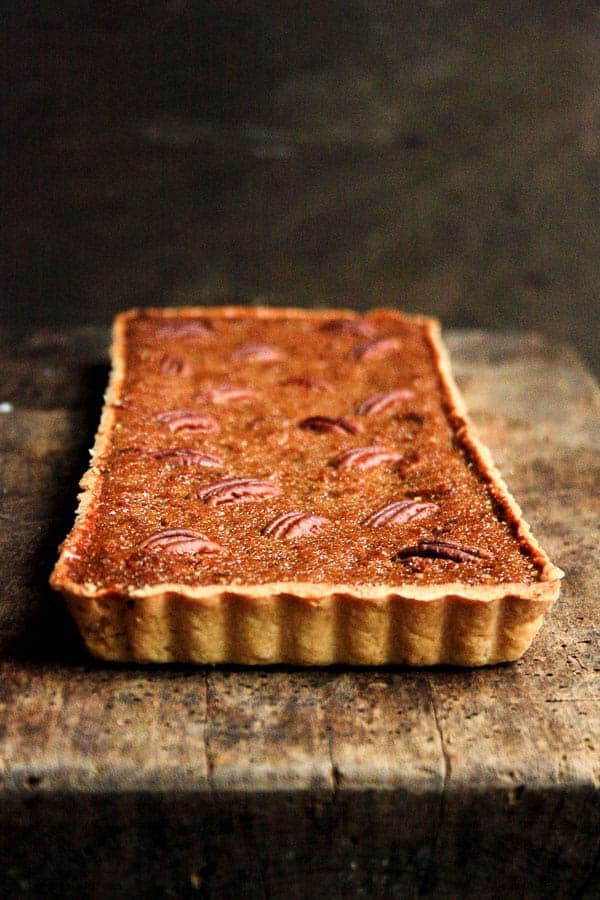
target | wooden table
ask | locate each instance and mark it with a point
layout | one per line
(285, 783)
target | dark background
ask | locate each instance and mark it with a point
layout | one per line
(438, 156)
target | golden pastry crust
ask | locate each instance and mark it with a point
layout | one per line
(457, 620)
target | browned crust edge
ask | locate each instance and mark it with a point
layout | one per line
(303, 623)
(467, 434)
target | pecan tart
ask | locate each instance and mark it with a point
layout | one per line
(291, 486)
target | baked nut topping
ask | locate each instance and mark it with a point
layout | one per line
(295, 524)
(172, 365)
(311, 384)
(329, 425)
(384, 402)
(187, 420)
(237, 490)
(184, 330)
(353, 327)
(180, 540)
(365, 458)
(183, 456)
(437, 549)
(400, 512)
(376, 349)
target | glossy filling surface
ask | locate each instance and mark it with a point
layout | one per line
(316, 449)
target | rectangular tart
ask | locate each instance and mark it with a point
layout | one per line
(292, 486)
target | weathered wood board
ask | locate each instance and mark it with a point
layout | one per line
(285, 783)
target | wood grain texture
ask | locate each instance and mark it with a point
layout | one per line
(293, 783)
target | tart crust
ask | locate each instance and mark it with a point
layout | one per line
(300, 622)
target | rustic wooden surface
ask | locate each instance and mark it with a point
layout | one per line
(150, 782)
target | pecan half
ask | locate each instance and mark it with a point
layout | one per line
(311, 384)
(237, 490)
(376, 349)
(384, 401)
(183, 329)
(295, 524)
(355, 327)
(258, 353)
(227, 393)
(441, 549)
(400, 512)
(365, 458)
(329, 425)
(172, 365)
(187, 420)
(181, 456)
(181, 541)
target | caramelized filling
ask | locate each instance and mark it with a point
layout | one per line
(250, 451)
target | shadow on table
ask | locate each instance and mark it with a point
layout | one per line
(39, 628)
